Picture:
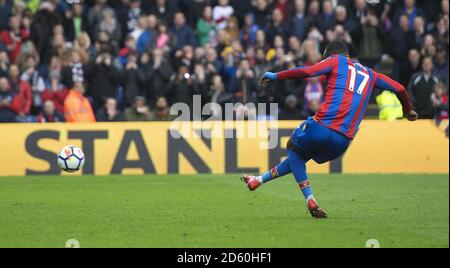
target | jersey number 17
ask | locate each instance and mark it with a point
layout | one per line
(353, 74)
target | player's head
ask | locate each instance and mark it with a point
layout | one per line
(336, 47)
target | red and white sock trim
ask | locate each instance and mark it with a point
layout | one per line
(304, 184)
(274, 172)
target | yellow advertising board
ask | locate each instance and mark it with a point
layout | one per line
(151, 148)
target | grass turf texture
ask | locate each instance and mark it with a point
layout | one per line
(217, 211)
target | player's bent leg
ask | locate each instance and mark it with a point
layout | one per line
(284, 168)
(253, 182)
(298, 166)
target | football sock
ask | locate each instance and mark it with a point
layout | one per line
(281, 170)
(298, 167)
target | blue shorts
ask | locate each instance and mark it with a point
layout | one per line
(315, 141)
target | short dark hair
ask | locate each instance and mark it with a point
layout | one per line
(336, 47)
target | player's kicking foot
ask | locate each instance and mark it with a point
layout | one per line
(314, 209)
(252, 182)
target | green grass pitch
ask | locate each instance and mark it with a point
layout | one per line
(218, 211)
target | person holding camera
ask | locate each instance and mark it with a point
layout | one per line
(244, 85)
(102, 79)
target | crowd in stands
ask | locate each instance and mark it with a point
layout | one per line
(129, 60)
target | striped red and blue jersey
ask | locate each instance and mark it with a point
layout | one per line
(350, 85)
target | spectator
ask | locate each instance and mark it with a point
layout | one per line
(429, 46)
(139, 111)
(442, 30)
(218, 95)
(411, 10)
(416, 37)
(183, 86)
(371, 46)
(440, 68)
(161, 112)
(300, 23)
(261, 41)
(421, 87)
(57, 48)
(360, 10)
(183, 35)
(439, 101)
(74, 22)
(314, 15)
(141, 26)
(128, 15)
(340, 33)
(77, 108)
(347, 22)
(36, 81)
(163, 9)
(94, 15)
(148, 38)
(83, 44)
(163, 38)
(6, 11)
(102, 79)
(49, 114)
(295, 48)
(278, 27)
(55, 90)
(132, 79)
(249, 30)
(157, 77)
(14, 37)
(212, 64)
(53, 74)
(313, 92)
(44, 21)
(285, 6)
(130, 47)
(244, 86)
(23, 99)
(232, 28)
(221, 13)
(6, 98)
(291, 110)
(389, 106)
(262, 12)
(202, 78)
(431, 10)
(411, 67)
(109, 113)
(109, 25)
(399, 46)
(206, 27)
(327, 20)
(74, 72)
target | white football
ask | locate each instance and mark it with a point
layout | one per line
(71, 159)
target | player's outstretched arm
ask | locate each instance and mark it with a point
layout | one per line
(385, 82)
(321, 68)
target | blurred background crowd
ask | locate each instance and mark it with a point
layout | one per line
(129, 60)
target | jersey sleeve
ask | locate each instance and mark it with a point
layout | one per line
(321, 68)
(386, 83)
